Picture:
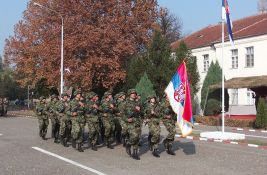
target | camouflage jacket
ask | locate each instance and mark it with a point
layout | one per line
(90, 110)
(120, 109)
(41, 109)
(152, 111)
(166, 110)
(75, 107)
(106, 108)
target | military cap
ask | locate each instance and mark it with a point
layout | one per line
(77, 92)
(151, 96)
(107, 93)
(64, 94)
(90, 95)
(54, 96)
(131, 91)
(41, 98)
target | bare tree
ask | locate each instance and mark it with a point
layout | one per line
(170, 25)
(262, 6)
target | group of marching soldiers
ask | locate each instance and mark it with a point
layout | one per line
(118, 119)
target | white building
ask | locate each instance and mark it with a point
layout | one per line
(248, 57)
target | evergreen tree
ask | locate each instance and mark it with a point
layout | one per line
(145, 87)
(261, 119)
(214, 76)
(184, 54)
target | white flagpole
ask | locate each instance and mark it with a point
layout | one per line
(222, 75)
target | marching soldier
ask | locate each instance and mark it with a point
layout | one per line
(153, 120)
(65, 120)
(169, 123)
(41, 111)
(76, 110)
(52, 107)
(5, 106)
(132, 111)
(118, 119)
(92, 111)
(107, 108)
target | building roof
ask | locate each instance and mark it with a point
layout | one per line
(244, 82)
(243, 28)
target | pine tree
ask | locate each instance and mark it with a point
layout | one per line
(145, 87)
(261, 119)
(214, 76)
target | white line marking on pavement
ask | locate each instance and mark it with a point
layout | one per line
(203, 139)
(256, 136)
(69, 161)
(252, 145)
(218, 140)
(239, 129)
(235, 143)
(252, 130)
(263, 131)
(190, 137)
(1, 134)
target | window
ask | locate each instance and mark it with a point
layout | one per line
(234, 97)
(234, 59)
(250, 57)
(206, 62)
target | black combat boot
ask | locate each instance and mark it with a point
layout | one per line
(135, 154)
(94, 147)
(156, 153)
(53, 132)
(73, 143)
(109, 145)
(169, 150)
(149, 142)
(40, 133)
(128, 149)
(80, 149)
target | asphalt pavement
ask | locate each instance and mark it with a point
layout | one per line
(23, 152)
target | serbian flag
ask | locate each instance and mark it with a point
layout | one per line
(178, 93)
(226, 17)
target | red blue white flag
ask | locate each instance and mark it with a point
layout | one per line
(226, 17)
(178, 92)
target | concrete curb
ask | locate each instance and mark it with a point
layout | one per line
(222, 141)
(19, 115)
(249, 130)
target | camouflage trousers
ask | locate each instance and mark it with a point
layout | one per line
(65, 126)
(154, 132)
(109, 127)
(118, 128)
(134, 131)
(55, 126)
(43, 125)
(76, 130)
(93, 129)
(124, 127)
(170, 127)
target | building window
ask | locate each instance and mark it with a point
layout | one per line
(250, 57)
(206, 62)
(234, 97)
(234, 59)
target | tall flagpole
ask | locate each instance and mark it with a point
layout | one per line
(222, 76)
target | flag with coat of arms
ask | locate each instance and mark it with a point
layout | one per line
(178, 93)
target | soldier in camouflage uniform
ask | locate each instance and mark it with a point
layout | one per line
(65, 122)
(169, 121)
(108, 107)
(5, 105)
(76, 110)
(119, 117)
(41, 112)
(132, 111)
(92, 111)
(152, 115)
(52, 108)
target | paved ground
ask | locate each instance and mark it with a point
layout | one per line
(17, 156)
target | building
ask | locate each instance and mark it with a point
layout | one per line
(246, 59)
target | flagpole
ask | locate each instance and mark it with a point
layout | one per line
(223, 76)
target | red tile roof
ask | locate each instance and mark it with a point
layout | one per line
(243, 28)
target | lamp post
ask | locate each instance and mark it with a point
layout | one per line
(62, 41)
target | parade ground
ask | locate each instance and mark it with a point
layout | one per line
(23, 152)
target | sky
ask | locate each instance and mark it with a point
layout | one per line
(194, 14)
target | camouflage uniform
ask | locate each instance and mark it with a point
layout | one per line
(107, 107)
(132, 111)
(91, 114)
(41, 112)
(152, 115)
(169, 121)
(120, 125)
(76, 110)
(52, 107)
(5, 106)
(65, 122)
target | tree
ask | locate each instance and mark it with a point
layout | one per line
(1, 64)
(99, 37)
(214, 76)
(262, 6)
(261, 119)
(170, 25)
(145, 87)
